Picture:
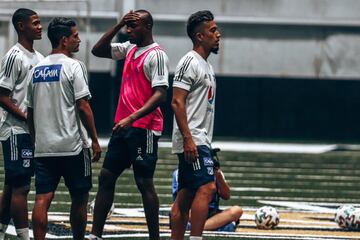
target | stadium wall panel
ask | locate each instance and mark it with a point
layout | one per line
(260, 108)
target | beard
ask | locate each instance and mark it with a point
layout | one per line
(215, 50)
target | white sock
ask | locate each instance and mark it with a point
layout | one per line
(3, 228)
(195, 238)
(23, 233)
(93, 237)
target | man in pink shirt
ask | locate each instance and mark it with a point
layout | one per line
(138, 118)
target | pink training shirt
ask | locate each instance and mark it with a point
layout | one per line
(135, 92)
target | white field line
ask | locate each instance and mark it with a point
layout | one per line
(257, 146)
(299, 205)
(258, 198)
(235, 189)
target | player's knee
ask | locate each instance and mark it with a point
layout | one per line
(177, 212)
(107, 179)
(145, 185)
(236, 212)
(207, 190)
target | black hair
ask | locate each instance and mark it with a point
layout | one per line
(21, 15)
(196, 20)
(59, 27)
(148, 18)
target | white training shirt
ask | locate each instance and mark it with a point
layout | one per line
(156, 63)
(15, 66)
(56, 83)
(196, 76)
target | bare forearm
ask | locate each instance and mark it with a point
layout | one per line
(9, 106)
(102, 48)
(179, 110)
(87, 118)
(158, 97)
(224, 188)
(30, 123)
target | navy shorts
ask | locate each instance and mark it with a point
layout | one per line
(18, 160)
(194, 175)
(134, 147)
(76, 171)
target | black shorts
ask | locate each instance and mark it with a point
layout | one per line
(76, 171)
(194, 175)
(134, 147)
(18, 160)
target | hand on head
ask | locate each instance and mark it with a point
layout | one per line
(131, 17)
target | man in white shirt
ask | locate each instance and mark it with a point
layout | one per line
(193, 104)
(14, 134)
(60, 120)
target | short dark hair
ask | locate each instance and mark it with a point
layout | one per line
(21, 15)
(148, 19)
(59, 27)
(196, 20)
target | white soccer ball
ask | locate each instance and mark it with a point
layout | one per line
(266, 217)
(343, 215)
(354, 222)
(91, 207)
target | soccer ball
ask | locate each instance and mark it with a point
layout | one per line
(266, 217)
(343, 216)
(354, 222)
(91, 207)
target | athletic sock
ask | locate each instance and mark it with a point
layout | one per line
(3, 228)
(23, 233)
(195, 238)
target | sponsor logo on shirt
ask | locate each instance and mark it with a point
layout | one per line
(211, 95)
(26, 153)
(208, 161)
(50, 73)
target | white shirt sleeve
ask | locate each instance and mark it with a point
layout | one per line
(185, 73)
(80, 83)
(156, 68)
(10, 70)
(120, 50)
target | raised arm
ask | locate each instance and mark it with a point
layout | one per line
(103, 47)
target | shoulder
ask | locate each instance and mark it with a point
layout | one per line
(157, 50)
(188, 62)
(189, 59)
(39, 55)
(80, 63)
(71, 62)
(14, 53)
(14, 57)
(127, 46)
(157, 54)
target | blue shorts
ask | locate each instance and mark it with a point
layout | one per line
(18, 160)
(194, 175)
(134, 147)
(76, 171)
